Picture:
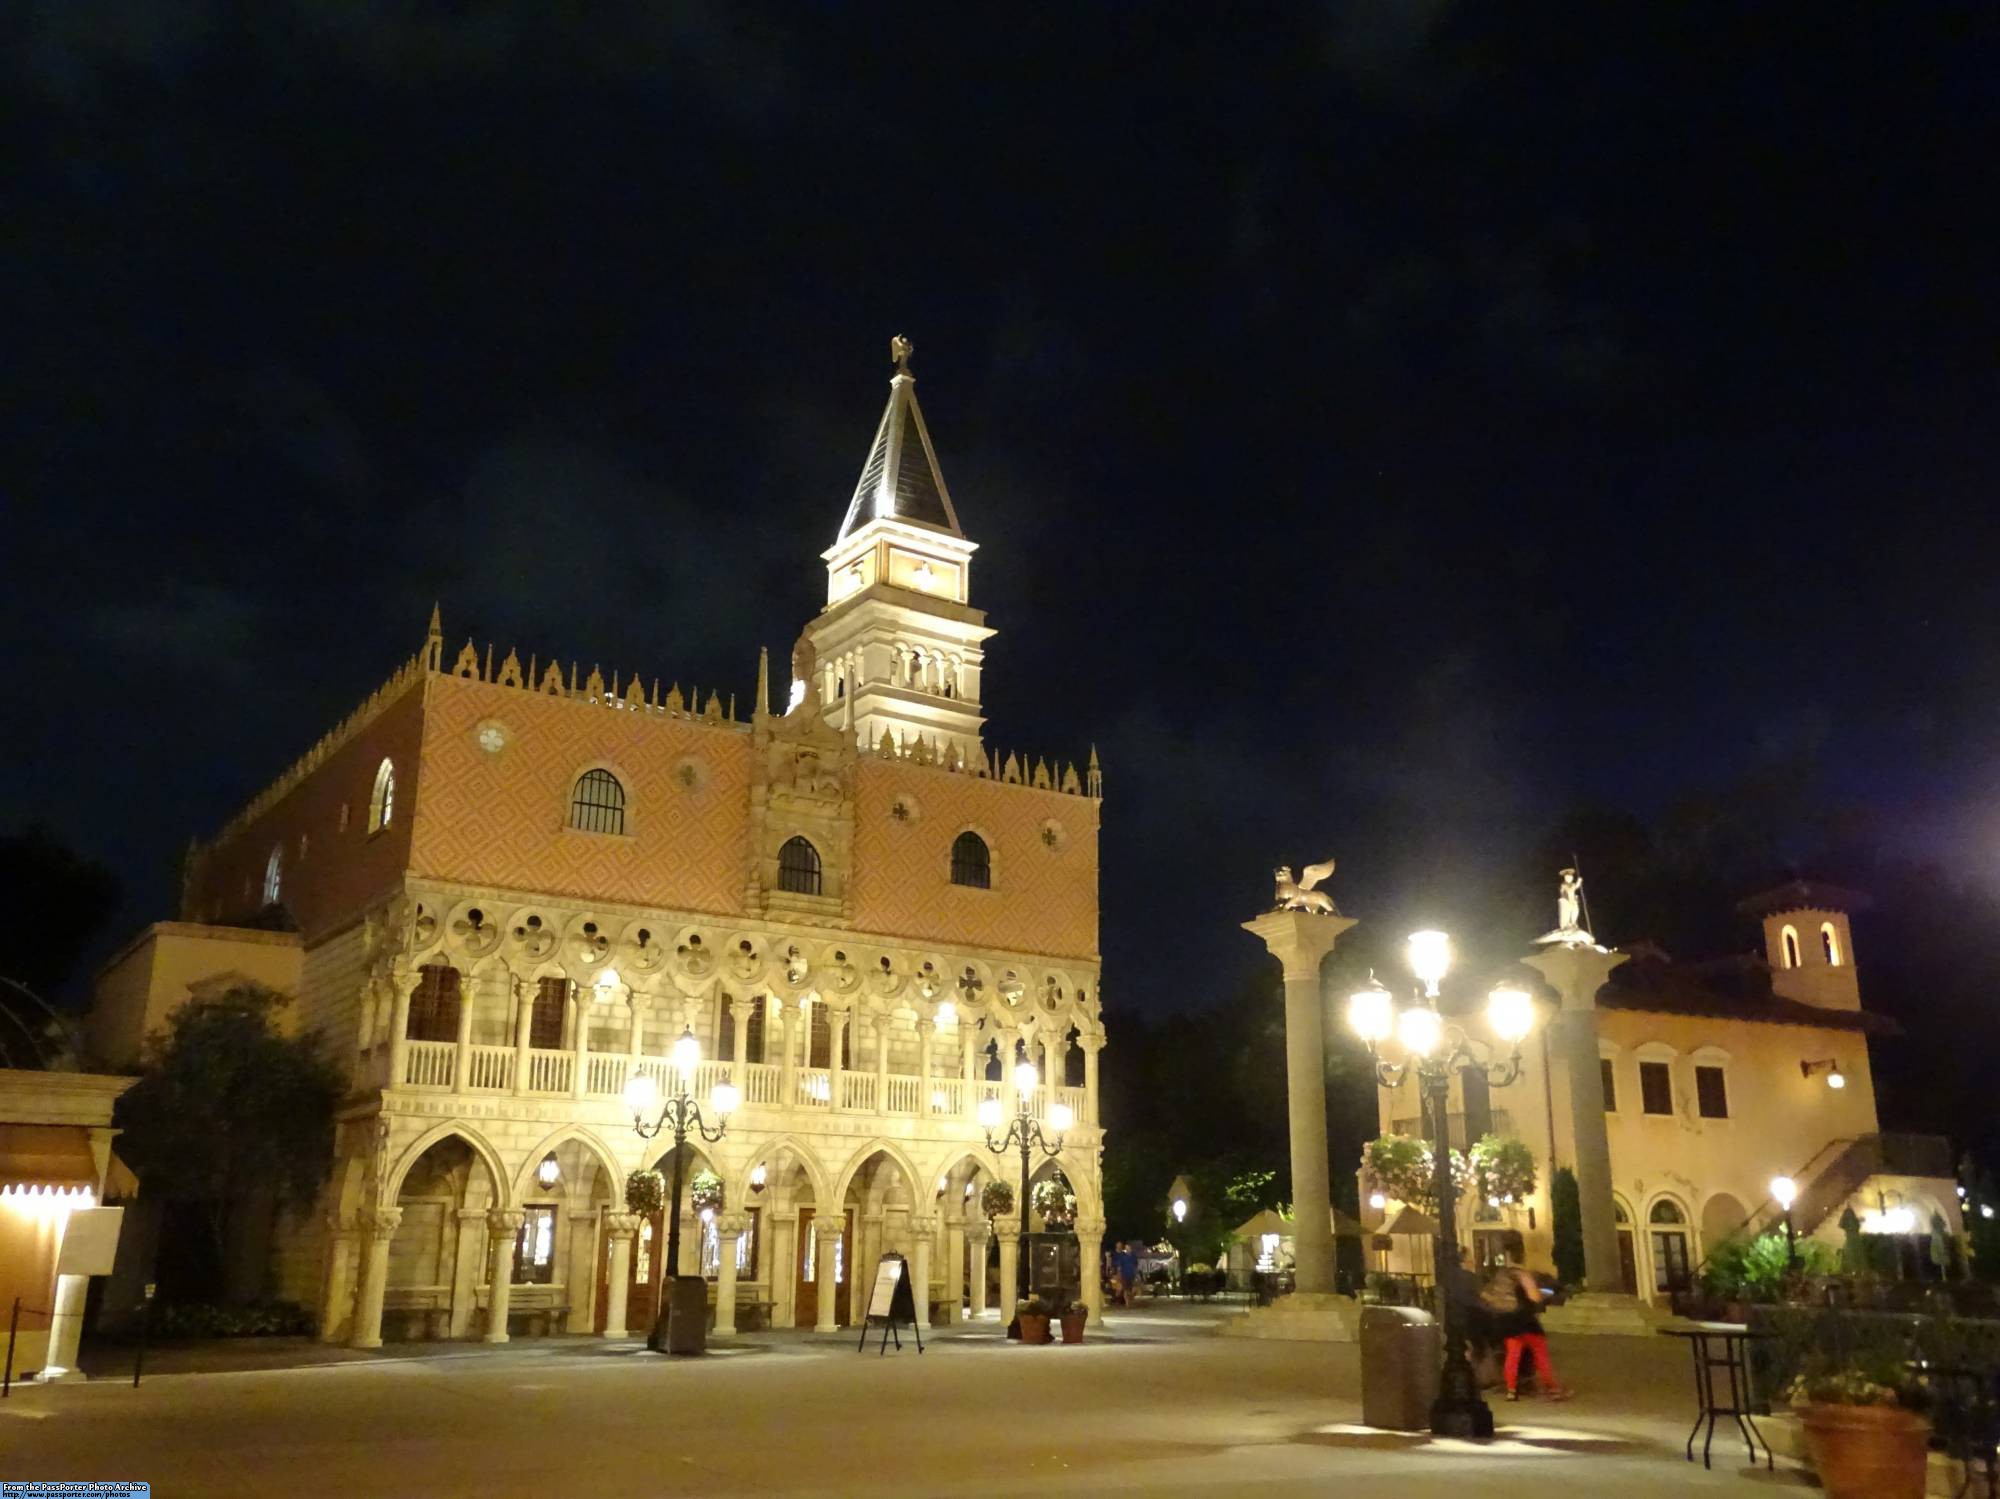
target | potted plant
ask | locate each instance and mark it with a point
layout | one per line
(1863, 1426)
(645, 1193)
(1074, 1315)
(996, 1199)
(705, 1193)
(1034, 1320)
(1053, 1199)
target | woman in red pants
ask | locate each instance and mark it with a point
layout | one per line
(1523, 1328)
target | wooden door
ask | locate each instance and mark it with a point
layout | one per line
(1628, 1262)
(642, 1285)
(805, 1291)
(844, 1268)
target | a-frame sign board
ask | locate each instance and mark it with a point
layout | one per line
(890, 1302)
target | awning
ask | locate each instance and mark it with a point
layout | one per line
(1269, 1222)
(1410, 1221)
(46, 1155)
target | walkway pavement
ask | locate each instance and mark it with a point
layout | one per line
(1157, 1405)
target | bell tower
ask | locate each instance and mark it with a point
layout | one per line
(899, 647)
(1808, 942)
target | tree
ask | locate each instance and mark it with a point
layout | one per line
(229, 1110)
(1566, 1223)
(62, 898)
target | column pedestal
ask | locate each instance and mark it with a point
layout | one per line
(923, 1231)
(336, 1306)
(380, 1225)
(470, 1259)
(502, 1228)
(824, 1253)
(620, 1227)
(1090, 1261)
(1010, 1268)
(729, 1229)
(976, 1235)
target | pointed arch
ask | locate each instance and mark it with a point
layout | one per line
(860, 1158)
(382, 799)
(591, 1141)
(764, 1150)
(476, 1142)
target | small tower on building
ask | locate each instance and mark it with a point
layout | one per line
(899, 646)
(1808, 943)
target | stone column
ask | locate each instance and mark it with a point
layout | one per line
(954, 1267)
(468, 1260)
(524, 1018)
(1091, 1046)
(503, 1226)
(923, 1232)
(968, 1059)
(1299, 940)
(926, 1029)
(836, 1034)
(787, 1081)
(781, 1261)
(827, 1227)
(1577, 973)
(380, 1226)
(65, 1327)
(461, 1074)
(1090, 1256)
(580, 1273)
(579, 1041)
(621, 1227)
(882, 1062)
(399, 1028)
(739, 1015)
(336, 1306)
(976, 1234)
(729, 1228)
(1010, 1265)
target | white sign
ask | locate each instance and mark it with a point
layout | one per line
(90, 1241)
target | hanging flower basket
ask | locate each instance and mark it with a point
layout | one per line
(705, 1193)
(1053, 1199)
(996, 1199)
(645, 1193)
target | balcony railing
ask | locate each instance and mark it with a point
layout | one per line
(436, 1066)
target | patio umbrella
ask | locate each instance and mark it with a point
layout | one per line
(1410, 1221)
(1345, 1227)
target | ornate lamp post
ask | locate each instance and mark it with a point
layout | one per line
(680, 1114)
(1433, 1051)
(1024, 1133)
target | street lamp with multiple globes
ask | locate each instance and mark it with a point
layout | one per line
(1024, 1132)
(680, 1115)
(1433, 1050)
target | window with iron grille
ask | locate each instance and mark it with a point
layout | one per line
(434, 1004)
(753, 1033)
(598, 805)
(971, 862)
(798, 867)
(1711, 1093)
(545, 1025)
(1610, 1085)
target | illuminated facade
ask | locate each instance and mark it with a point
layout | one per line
(1697, 1085)
(515, 885)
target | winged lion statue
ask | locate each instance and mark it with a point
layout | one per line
(1301, 894)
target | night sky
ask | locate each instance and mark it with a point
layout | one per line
(1387, 426)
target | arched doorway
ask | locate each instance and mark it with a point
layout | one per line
(1667, 1229)
(702, 1190)
(971, 1267)
(440, 1258)
(1722, 1218)
(886, 1210)
(1628, 1251)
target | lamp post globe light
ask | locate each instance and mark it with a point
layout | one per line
(679, 1115)
(1024, 1133)
(1434, 1049)
(1784, 1192)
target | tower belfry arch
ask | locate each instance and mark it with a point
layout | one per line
(899, 646)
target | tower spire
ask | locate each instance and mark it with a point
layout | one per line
(900, 478)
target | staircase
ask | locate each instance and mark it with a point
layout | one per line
(1837, 1172)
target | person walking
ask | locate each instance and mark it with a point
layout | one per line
(1522, 1328)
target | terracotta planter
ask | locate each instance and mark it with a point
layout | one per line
(1867, 1451)
(1034, 1329)
(1072, 1325)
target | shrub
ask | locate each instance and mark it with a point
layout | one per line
(208, 1319)
(1566, 1223)
(1756, 1269)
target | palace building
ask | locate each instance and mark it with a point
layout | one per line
(501, 889)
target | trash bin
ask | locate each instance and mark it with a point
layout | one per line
(1401, 1349)
(687, 1321)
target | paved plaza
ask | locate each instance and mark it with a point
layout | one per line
(1158, 1405)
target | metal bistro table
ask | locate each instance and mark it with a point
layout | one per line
(1721, 1345)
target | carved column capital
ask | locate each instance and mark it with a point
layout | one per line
(925, 1224)
(505, 1222)
(1006, 1233)
(621, 1225)
(829, 1229)
(382, 1221)
(732, 1225)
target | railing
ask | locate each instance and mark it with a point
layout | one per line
(550, 1071)
(903, 1095)
(492, 1068)
(429, 1064)
(947, 1097)
(812, 1090)
(857, 1092)
(983, 1090)
(1074, 1097)
(604, 1076)
(762, 1083)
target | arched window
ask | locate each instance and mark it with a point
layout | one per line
(971, 862)
(1790, 939)
(1829, 944)
(598, 803)
(382, 801)
(434, 1004)
(274, 874)
(798, 867)
(1670, 1246)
